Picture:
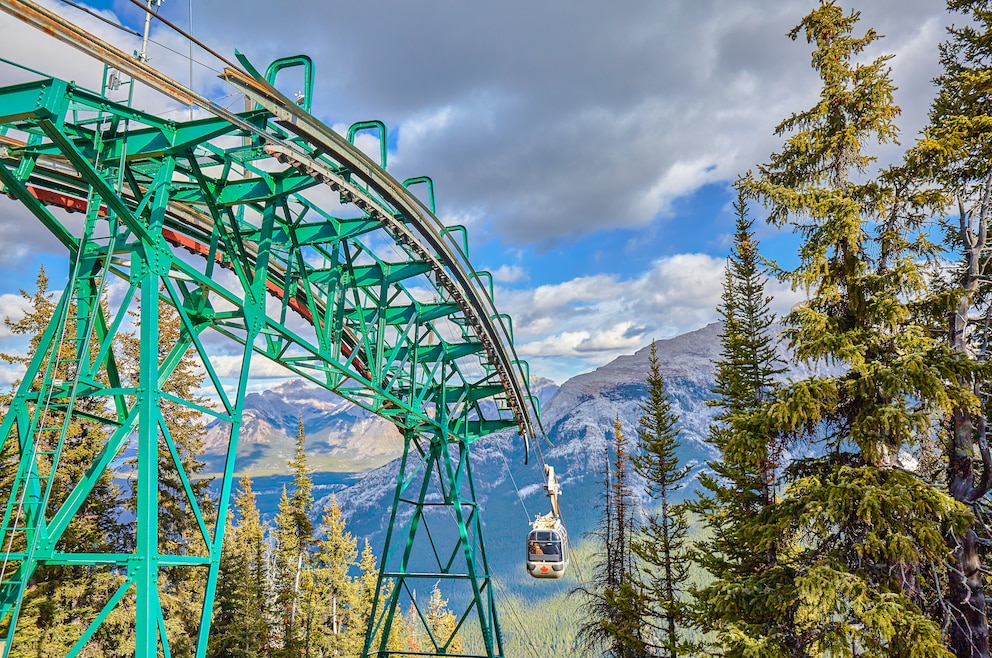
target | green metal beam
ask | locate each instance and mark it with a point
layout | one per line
(236, 237)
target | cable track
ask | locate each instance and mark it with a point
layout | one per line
(478, 308)
(439, 401)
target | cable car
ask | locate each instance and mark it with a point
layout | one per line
(547, 548)
(547, 541)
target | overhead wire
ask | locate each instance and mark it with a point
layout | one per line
(191, 56)
(516, 617)
(187, 35)
(124, 28)
(97, 16)
(183, 55)
(509, 473)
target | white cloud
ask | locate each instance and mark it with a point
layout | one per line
(9, 375)
(583, 323)
(509, 274)
(12, 307)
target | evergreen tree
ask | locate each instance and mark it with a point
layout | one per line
(442, 623)
(862, 530)
(242, 614)
(613, 600)
(955, 153)
(337, 594)
(749, 602)
(661, 544)
(226, 636)
(60, 601)
(293, 542)
(365, 587)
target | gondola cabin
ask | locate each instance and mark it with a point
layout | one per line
(547, 548)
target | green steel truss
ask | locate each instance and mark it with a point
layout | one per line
(280, 236)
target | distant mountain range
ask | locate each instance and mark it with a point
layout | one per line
(578, 417)
(340, 436)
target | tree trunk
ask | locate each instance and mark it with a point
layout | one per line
(966, 603)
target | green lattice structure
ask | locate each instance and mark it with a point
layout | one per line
(269, 229)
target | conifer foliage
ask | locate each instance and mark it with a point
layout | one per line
(243, 616)
(955, 157)
(293, 558)
(661, 543)
(336, 594)
(862, 530)
(748, 603)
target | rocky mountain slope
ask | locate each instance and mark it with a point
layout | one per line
(340, 436)
(579, 421)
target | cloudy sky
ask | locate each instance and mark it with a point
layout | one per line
(588, 146)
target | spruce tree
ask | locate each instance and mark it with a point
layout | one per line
(613, 599)
(748, 603)
(661, 543)
(242, 612)
(294, 540)
(226, 632)
(337, 594)
(862, 530)
(955, 155)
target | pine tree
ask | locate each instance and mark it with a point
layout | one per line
(749, 602)
(242, 614)
(337, 594)
(863, 531)
(955, 153)
(293, 561)
(661, 543)
(62, 600)
(612, 599)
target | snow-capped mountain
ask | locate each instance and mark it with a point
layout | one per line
(340, 436)
(579, 420)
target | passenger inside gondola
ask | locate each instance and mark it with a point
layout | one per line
(547, 542)
(544, 546)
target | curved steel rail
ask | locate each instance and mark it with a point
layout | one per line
(476, 304)
(373, 335)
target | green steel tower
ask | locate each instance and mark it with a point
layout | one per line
(289, 244)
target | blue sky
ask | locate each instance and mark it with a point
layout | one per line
(589, 147)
